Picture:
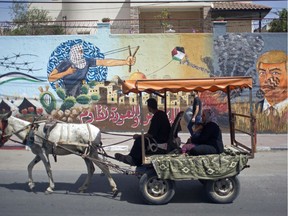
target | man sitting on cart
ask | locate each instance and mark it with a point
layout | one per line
(159, 131)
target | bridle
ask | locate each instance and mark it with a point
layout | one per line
(4, 138)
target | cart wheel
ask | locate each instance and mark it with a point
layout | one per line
(154, 190)
(223, 190)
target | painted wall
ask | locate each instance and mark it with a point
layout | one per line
(27, 63)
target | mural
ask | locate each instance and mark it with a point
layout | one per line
(272, 71)
(272, 108)
(252, 55)
(78, 79)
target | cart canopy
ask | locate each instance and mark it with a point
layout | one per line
(186, 85)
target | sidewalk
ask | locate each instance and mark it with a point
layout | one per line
(265, 142)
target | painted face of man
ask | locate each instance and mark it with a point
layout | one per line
(77, 57)
(273, 81)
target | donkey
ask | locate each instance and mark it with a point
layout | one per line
(74, 138)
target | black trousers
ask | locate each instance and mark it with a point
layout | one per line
(203, 150)
(136, 150)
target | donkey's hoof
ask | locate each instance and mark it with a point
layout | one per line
(31, 186)
(49, 191)
(115, 193)
(81, 190)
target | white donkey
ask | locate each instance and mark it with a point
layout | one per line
(79, 138)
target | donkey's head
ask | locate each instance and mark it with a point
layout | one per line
(3, 126)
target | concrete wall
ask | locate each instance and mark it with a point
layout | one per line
(27, 61)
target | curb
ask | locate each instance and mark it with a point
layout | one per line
(263, 148)
(266, 148)
(125, 148)
(278, 149)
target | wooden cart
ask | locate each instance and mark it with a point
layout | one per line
(158, 174)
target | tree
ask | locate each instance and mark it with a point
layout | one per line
(164, 17)
(280, 24)
(32, 21)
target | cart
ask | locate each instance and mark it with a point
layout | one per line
(218, 173)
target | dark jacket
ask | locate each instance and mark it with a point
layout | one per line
(210, 135)
(160, 127)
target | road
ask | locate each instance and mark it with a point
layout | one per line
(263, 190)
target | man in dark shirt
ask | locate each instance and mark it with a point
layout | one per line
(159, 131)
(196, 112)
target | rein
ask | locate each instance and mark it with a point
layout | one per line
(16, 141)
(27, 126)
(117, 143)
(16, 132)
(24, 128)
(116, 134)
(107, 163)
(4, 136)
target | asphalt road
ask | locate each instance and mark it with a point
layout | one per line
(263, 190)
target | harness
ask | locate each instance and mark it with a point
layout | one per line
(6, 137)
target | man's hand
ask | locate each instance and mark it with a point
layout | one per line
(70, 70)
(130, 60)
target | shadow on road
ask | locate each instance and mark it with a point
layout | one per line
(128, 185)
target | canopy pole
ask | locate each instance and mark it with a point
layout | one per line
(165, 104)
(232, 136)
(142, 127)
(252, 125)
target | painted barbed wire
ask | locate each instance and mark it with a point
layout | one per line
(16, 63)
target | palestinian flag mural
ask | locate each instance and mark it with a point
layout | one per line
(178, 53)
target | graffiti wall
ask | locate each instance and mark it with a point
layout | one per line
(77, 78)
(263, 57)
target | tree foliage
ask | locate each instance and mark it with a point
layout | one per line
(32, 21)
(280, 24)
(164, 17)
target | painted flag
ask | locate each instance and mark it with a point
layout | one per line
(13, 76)
(178, 53)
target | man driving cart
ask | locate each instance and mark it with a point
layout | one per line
(158, 131)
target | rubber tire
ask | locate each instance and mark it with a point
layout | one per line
(154, 190)
(223, 190)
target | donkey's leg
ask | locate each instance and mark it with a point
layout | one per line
(105, 170)
(90, 170)
(31, 183)
(49, 173)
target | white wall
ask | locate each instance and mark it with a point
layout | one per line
(88, 11)
(53, 9)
